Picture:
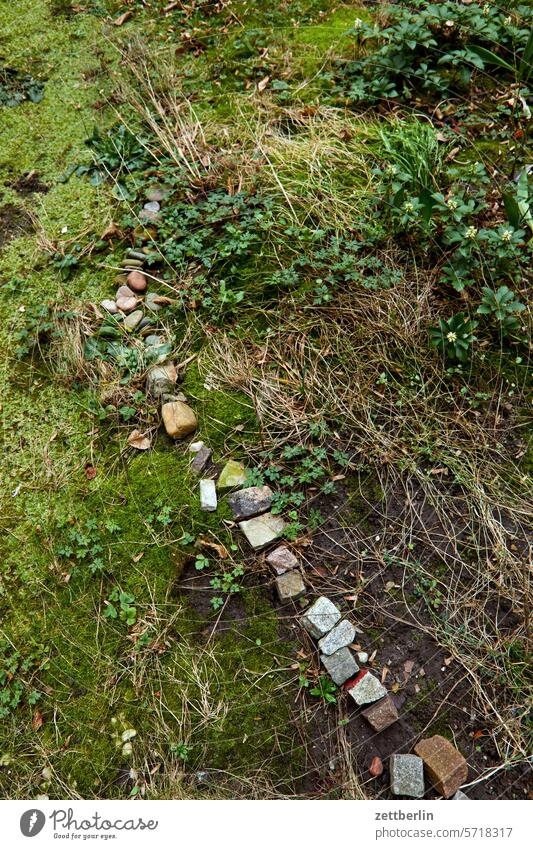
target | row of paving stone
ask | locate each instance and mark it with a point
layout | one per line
(436, 757)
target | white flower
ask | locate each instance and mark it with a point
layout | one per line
(452, 204)
(358, 24)
(408, 206)
(471, 233)
(508, 21)
(486, 9)
(506, 236)
(451, 336)
(450, 23)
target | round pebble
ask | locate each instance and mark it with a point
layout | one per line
(137, 281)
(362, 656)
(152, 206)
(127, 304)
(133, 319)
(110, 306)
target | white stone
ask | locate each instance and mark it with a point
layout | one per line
(321, 617)
(262, 530)
(407, 775)
(368, 689)
(194, 447)
(460, 796)
(362, 656)
(208, 495)
(341, 635)
(341, 665)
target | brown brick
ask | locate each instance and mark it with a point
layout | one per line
(381, 714)
(445, 766)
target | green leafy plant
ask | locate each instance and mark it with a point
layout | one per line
(502, 305)
(226, 582)
(121, 605)
(17, 671)
(324, 689)
(454, 336)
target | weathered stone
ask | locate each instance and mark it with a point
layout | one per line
(208, 495)
(194, 447)
(445, 766)
(362, 656)
(133, 319)
(179, 419)
(152, 206)
(161, 380)
(125, 292)
(281, 560)
(366, 689)
(376, 767)
(151, 215)
(262, 530)
(290, 586)
(109, 306)
(407, 776)
(381, 714)
(460, 796)
(232, 475)
(321, 617)
(137, 281)
(150, 302)
(250, 502)
(201, 460)
(341, 635)
(127, 304)
(341, 665)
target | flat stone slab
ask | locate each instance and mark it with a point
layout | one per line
(290, 586)
(262, 530)
(341, 635)
(381, 714)
(232, 475)
(201, 460)
(208, 495)
(321, 617)
(445, 766)
(407, 776)
(366, 689)
(250, 502)
(341, 665)
(281, 560)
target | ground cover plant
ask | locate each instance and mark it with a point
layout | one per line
(332, 206)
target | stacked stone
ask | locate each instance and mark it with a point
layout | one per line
(323, 621)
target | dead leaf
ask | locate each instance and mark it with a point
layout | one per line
(408, 667)
(372, 656)
(123, 18)
(221, 550)
(37, 720)
(90, 473)
(262, 84)
(395, 687)
(440, 470)
(384, 672)
(139, 440)
(137, 557)
(110, 231)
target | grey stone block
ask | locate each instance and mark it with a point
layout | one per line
(407, 776)
(460, 796)
(290, 586)
(208, 495)
(341, 665)
(281, 560)
(262, 530)
(250, 502)
(367, 689)
(321, 617)
(341, 635)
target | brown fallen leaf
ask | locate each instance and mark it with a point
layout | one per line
(262, 84)
(221, 550)
(110, 231)
(125, 16)
(384, 672)
(37, 720)
(139, 440)
(137, 557)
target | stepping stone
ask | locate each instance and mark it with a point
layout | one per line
(366, 689)
(161, 380)
(262, 530)
(381, 714)
(445, 766)
(208, 495)
(460, 796)
(232, 475)
(281, 560)
(341, 665)
(250, 502)
(179, 419)
(341, 635)
(137, 281)
(201, 460)
(321, 617)
(407, 776)
(290, 586)
(133, 320)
